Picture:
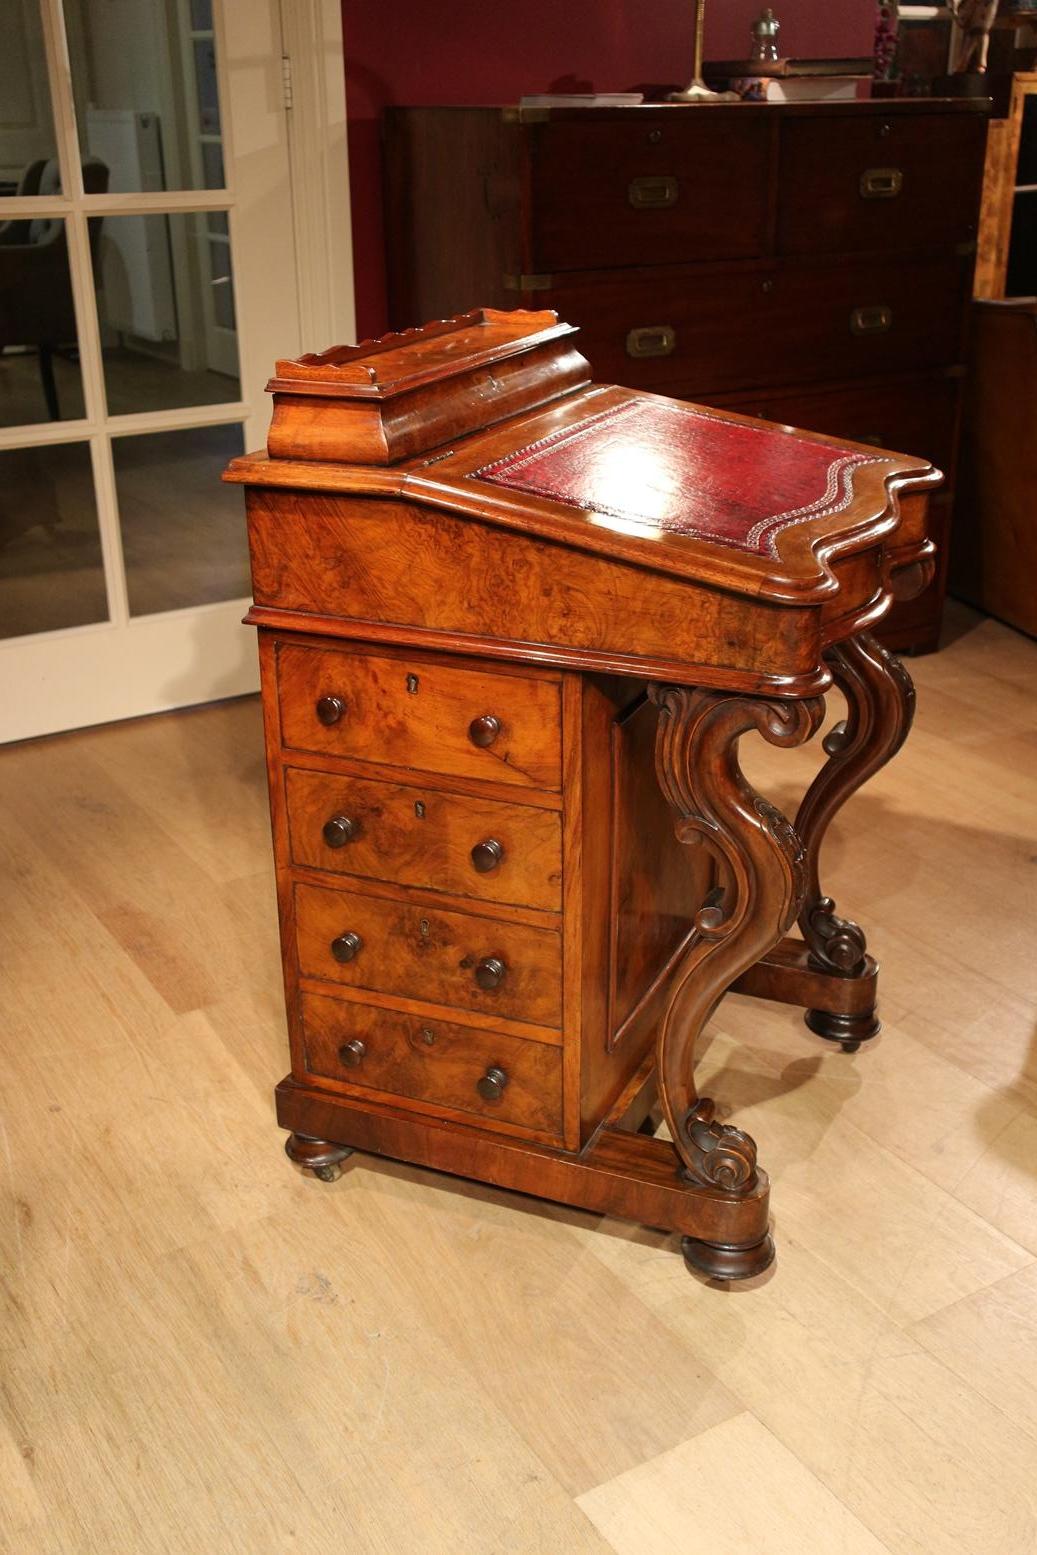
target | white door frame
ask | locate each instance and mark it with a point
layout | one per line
(127, 666)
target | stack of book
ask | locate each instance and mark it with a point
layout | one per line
(791, 80)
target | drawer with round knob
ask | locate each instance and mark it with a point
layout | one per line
(482, 848)
(509, 1082)
(462, 960)
(430, 715)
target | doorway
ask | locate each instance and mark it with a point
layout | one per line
(158, 251)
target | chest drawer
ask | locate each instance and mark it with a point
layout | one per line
(452, 958)
(879, 184)
(916, 415)
(649, 190)
(688, 333)
(421, 714)
(419, 837)
(503, 1079)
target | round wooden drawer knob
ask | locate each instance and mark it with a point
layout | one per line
(347, 947)
(340, 830)
(486, 855)
(352, 1053)
(483, 731)
(491, 1086)
(330, 710)
(489, 973)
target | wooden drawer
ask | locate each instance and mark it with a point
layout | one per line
(419, 837)
(647, 191)
(419, 713)
(878, 184)
(916, 415)
(425, 1060)
(423, 953)
(711, 330)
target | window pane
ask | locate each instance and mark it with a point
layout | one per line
(145, 92)
(165, 300)
(39, 367)
(27, 150)
(51, 572)
(183, 530)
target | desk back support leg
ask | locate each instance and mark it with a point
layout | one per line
(880, 702)
(761, 864)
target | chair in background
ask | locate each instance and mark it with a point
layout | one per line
(36, 308)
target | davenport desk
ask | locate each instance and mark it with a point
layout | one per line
(512, 627)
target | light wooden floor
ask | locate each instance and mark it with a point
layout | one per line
(202, 1351)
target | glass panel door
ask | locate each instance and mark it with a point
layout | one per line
(148, 280)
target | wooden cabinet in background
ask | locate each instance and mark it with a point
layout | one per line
(1006, 264)
(811, 263)
(995, 522)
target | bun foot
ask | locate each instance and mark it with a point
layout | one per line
(319, 1156)
(718, 1262)
(848, 1030)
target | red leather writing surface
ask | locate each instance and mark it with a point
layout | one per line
(684, 471)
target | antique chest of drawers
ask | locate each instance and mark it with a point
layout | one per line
(511, 628)
(809, 263)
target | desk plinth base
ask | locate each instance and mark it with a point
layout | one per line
(839, 1008)
(623, 1171)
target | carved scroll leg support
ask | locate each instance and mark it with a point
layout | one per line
(760, 863)
(880, 702)
(319, 1156)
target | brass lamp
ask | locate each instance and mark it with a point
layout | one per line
(697, 91)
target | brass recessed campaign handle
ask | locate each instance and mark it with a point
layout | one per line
(881, 183)
(871, 321)
(653, 192)
(652, 340)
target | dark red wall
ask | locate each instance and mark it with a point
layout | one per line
(485, 51)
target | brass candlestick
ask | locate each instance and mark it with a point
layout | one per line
(697, 91)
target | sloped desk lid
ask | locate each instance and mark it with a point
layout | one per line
(659, 467)
(698, 493)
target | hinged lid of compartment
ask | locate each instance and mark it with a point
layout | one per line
(402, 395)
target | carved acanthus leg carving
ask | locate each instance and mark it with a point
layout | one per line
(880, 706)
(761, 878)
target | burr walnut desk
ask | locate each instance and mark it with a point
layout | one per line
(512, 627)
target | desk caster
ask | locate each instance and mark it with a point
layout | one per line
(718, 1262)
(848, 1030)
(319, 1156)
